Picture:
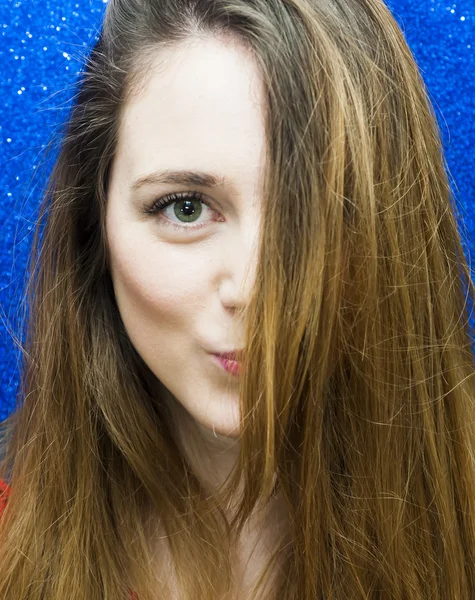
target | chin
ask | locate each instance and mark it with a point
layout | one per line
(218, 427)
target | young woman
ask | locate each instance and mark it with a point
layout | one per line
(264, 178)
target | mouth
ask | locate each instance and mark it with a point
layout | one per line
(236, 355)
(229, 355)
(231, 365)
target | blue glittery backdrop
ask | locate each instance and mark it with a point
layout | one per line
(42, 45)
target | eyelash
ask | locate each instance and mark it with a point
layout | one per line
(159, 205)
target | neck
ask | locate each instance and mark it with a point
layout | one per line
(211, 456)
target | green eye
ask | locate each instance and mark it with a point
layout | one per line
(188, 209)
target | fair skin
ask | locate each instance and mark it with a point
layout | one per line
(178, 289)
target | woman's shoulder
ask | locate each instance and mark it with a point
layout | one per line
(4, 492)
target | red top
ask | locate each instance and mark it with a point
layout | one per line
(4, 493)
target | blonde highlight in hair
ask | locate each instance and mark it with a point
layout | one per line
(356, 392)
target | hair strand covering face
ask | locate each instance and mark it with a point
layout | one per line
(357, 390)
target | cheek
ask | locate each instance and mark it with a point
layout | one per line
(155, 282)
(160, 299)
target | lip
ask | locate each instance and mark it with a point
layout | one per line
(228, 355)
(232, 355)
(229, 365)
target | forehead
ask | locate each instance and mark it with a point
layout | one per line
(199, 104)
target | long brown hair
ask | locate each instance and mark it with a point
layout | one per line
(357, 389)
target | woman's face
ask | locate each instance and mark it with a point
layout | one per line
(180, 274)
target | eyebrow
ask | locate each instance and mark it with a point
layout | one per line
(180, 177)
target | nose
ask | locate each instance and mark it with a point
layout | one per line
(239, 263)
